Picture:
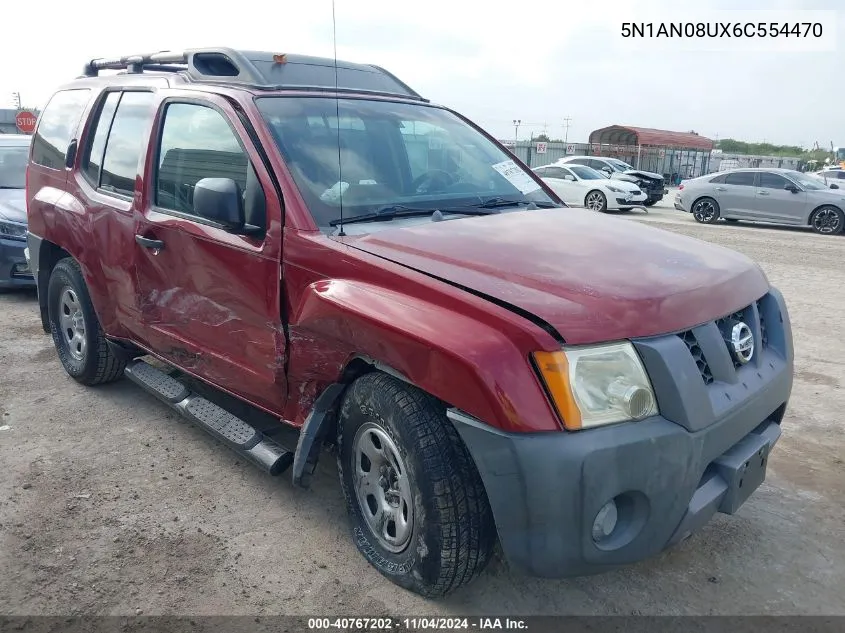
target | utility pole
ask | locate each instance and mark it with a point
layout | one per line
(566, 121)
(16, 98)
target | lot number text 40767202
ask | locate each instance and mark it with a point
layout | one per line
(416, 624)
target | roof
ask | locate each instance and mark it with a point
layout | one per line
(626, 135)
(262, 70)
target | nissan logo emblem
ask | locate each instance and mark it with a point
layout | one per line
(742, 343)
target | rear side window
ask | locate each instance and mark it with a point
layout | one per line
(125, 140)
(93, 159)
(718, 180)
(57, 127)
(745, 178)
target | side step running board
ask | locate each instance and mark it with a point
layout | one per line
(232, 431)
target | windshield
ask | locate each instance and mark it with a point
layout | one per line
(586, 173)
(807, 183)
(414, 155)
(13, 159)
(618, 165)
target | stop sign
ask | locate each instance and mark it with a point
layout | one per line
(25, 121)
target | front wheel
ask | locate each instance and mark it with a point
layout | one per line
(827, 220)
(596, 201)
(76, 331)
(705, 210)
(416, 503)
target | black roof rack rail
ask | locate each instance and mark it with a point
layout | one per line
(261, 69)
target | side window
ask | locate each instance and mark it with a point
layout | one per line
(125, 141)
(718, 180)
(543, 172)
(772, 181)
(57, 127)
(196, 142)
(93, 158)
(557, 172)
(839, 175)
(745, 178)
(581, 161)
(598, 165)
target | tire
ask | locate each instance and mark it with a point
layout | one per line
(76, 331)
(650, 203)
(448, 533)
(705, 210)
(595, 200)
(827, 220)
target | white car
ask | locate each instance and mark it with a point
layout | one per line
(582, 186)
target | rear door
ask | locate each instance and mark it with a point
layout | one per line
(736, 197)
(775, 203)
(210, 299)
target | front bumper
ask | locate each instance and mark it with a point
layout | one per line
(668, 477)
(14, 268)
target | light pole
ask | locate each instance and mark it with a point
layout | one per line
(566, 121)
(516, 124)
(16, 96)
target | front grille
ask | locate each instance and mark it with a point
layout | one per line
(723, 326)
(698, 356)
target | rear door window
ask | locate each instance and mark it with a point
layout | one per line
(744, 178)
(125, 141)
(57, 127)
(93, 158)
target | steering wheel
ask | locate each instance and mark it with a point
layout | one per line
(432, 178)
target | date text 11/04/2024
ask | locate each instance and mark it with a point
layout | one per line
(722, 29)
(416, 624)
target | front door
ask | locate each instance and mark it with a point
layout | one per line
(775, 203)
(563, 182)
(210, 298)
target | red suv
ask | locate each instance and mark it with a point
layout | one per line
(293, 252)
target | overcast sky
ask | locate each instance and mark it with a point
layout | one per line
(538, 61)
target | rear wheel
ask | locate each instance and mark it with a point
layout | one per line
(827, 220)
(76, 331)
(705, 210)
(650, 203)
(595, 201)
(416, 503)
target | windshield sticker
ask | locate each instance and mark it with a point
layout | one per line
(514, 175)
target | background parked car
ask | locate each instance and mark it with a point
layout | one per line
(14, 270)
(583, 186)
(652, 184)
(831, 176)
(780, 196)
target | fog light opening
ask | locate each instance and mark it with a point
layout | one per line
(636, 401)
(605, 522)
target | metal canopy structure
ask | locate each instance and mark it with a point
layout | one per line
(643, 136)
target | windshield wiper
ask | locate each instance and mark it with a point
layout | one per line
(392, 211)
(497, 202)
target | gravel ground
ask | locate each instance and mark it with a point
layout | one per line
(111, 505)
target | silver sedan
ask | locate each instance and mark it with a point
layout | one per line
(779, 196)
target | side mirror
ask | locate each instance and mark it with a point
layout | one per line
(792, 188)
(219, 200)
(569, 177)
(606, 170)
(834, 186)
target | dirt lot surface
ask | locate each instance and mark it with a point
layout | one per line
(110, 504)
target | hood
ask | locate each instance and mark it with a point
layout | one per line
(625, 185)
(13, 205)
(639, 173)
(592, 277)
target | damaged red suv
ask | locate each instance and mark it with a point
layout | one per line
(294, 254)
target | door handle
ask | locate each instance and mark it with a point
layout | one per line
(763, 193)
(721, 188)
(149, 243)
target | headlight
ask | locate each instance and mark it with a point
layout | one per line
(12, 230)
(614, 189)
(597, 385)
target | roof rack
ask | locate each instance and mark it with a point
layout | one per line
(261, 69)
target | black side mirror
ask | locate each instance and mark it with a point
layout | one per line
(606, 170)
(834, 186)
(219, 200)
(792, 188)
